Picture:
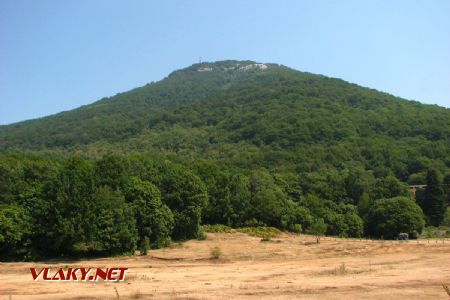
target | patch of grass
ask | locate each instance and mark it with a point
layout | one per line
(265, 233)
(267, 237)
(341, 270)
(216, 228)
(175, 245)
(216, 253)
(262, 232)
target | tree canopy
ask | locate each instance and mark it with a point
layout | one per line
(389, 217)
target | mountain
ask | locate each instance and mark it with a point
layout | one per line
(249, 114)
(234, 143)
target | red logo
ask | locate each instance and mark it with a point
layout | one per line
(79, 274)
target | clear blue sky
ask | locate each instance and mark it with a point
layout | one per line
(58, 55)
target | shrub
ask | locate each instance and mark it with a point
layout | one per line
(144, 246)
(216, 228)
(266, 238)
(389, 217)
(297, 228)
(318, 228)
(254, 223)
(201, 235)
(216, 253)
(341, 270)
(262, 232)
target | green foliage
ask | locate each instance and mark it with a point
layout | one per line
(433, 203)
(262, 232)
(239, 199)
(201, 235)
(266, 199)
(15, 229)
(154, 219)
(216, 228)
(389, 187)
(112, 171)
(216, 253)
(364, 205)
(297, 228)
(343, 220)
(389, 217)
(318, 227)
(69, 210)
(6, 185)
(115, 226)
(185, 194)
(436, 232)
(355, 225)
(144, 245)
(446, 221)
(219, 209)
(295, 217)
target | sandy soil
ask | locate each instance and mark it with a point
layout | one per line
(288, 267)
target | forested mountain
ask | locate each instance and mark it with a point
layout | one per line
(253, 115)
(233, 142)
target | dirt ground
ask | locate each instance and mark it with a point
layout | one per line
(287, 267)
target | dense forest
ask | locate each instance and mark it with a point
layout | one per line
(234, 143)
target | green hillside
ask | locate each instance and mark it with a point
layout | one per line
(239, 113)
(237, 143)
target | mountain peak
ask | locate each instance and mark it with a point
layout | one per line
(229, 65)
(202, 67)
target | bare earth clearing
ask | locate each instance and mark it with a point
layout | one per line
(288, 267)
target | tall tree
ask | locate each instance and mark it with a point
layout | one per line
(185, 194)
(240, 199)
(434, 205)
(69, 208)
(218, 210)
(266, 198)
(114, 230)
(14, 229)
(318, 228)
(154, 219)
(112, 170)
